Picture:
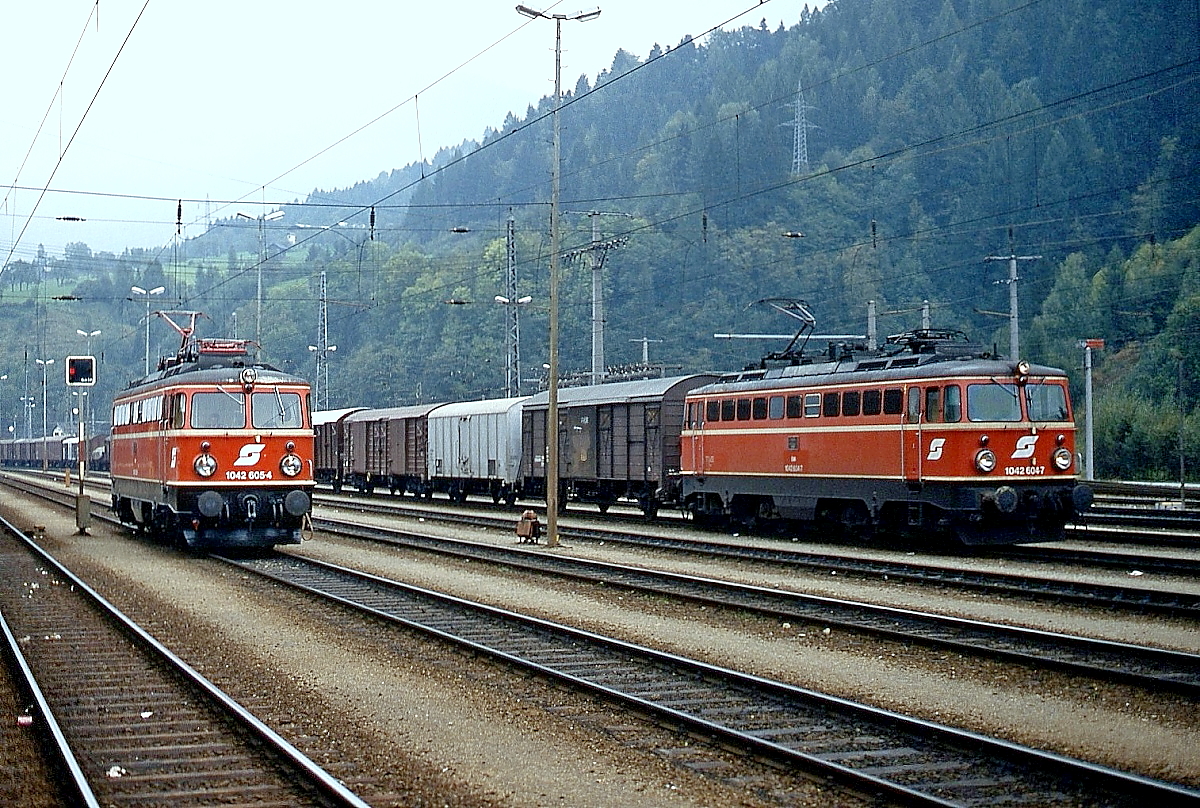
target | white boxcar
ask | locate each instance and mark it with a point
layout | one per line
(475, 448)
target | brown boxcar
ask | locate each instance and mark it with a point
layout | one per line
(389, 448)
(329, 445)
(618, 440)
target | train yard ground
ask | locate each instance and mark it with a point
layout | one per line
(422, 723)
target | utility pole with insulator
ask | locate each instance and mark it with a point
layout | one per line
(1014, 333)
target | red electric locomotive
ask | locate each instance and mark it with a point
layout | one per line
(931, 436)
(214, 449)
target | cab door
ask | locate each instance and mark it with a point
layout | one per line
(911, 437)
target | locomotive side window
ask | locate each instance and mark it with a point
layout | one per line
(712, 410)
(743, 409)
(933, 405)
(831, 405)
(851, 402)
(218, 410)
(727, 407)
(178, 411)
(872, 402)
(760, 409)
(775, 408)
(952, 404)
(993, 402)
(914, 404)
(893, 401)
(1046, 402)
(795, 406)
(275, 410)
(812, 405)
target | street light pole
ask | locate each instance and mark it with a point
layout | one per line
(512, 339)
(552, 413)
(45, 450)
(147, 294)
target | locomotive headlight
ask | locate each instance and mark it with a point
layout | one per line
(985, 460)
(291, 465)
(205, 465)
(1062, 458)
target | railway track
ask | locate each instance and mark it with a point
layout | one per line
(131, 723)
(876, 751)
(1154, 668)
(926, 572)
(1147, 600)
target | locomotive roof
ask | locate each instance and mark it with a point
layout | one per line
(189, 374)
(878, 369)
(621, 391)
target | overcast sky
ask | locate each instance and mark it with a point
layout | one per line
(259, 100)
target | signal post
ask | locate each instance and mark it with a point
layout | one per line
(81, 372)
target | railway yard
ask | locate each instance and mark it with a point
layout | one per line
(722, 669)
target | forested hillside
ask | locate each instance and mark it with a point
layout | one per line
(909, 143)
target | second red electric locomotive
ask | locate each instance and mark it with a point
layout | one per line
(933, 436)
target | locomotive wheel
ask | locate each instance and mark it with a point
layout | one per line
(855, 521)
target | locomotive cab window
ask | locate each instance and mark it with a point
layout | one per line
(276, 410)
(914, 404)
(178, 411)
(1046, 402)
(993, 402)
(933, 405)
(952, 404)
(218, 410)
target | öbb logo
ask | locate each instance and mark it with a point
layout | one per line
(249, 454)
(1025, 447)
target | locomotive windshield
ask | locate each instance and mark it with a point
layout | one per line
(993, 402)
(1046, 402)
(218, 410)
(276, 410)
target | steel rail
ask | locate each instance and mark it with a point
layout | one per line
(331, 791)
(1102, 659)
(916, 761)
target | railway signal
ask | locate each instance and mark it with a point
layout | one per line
(81, 371)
